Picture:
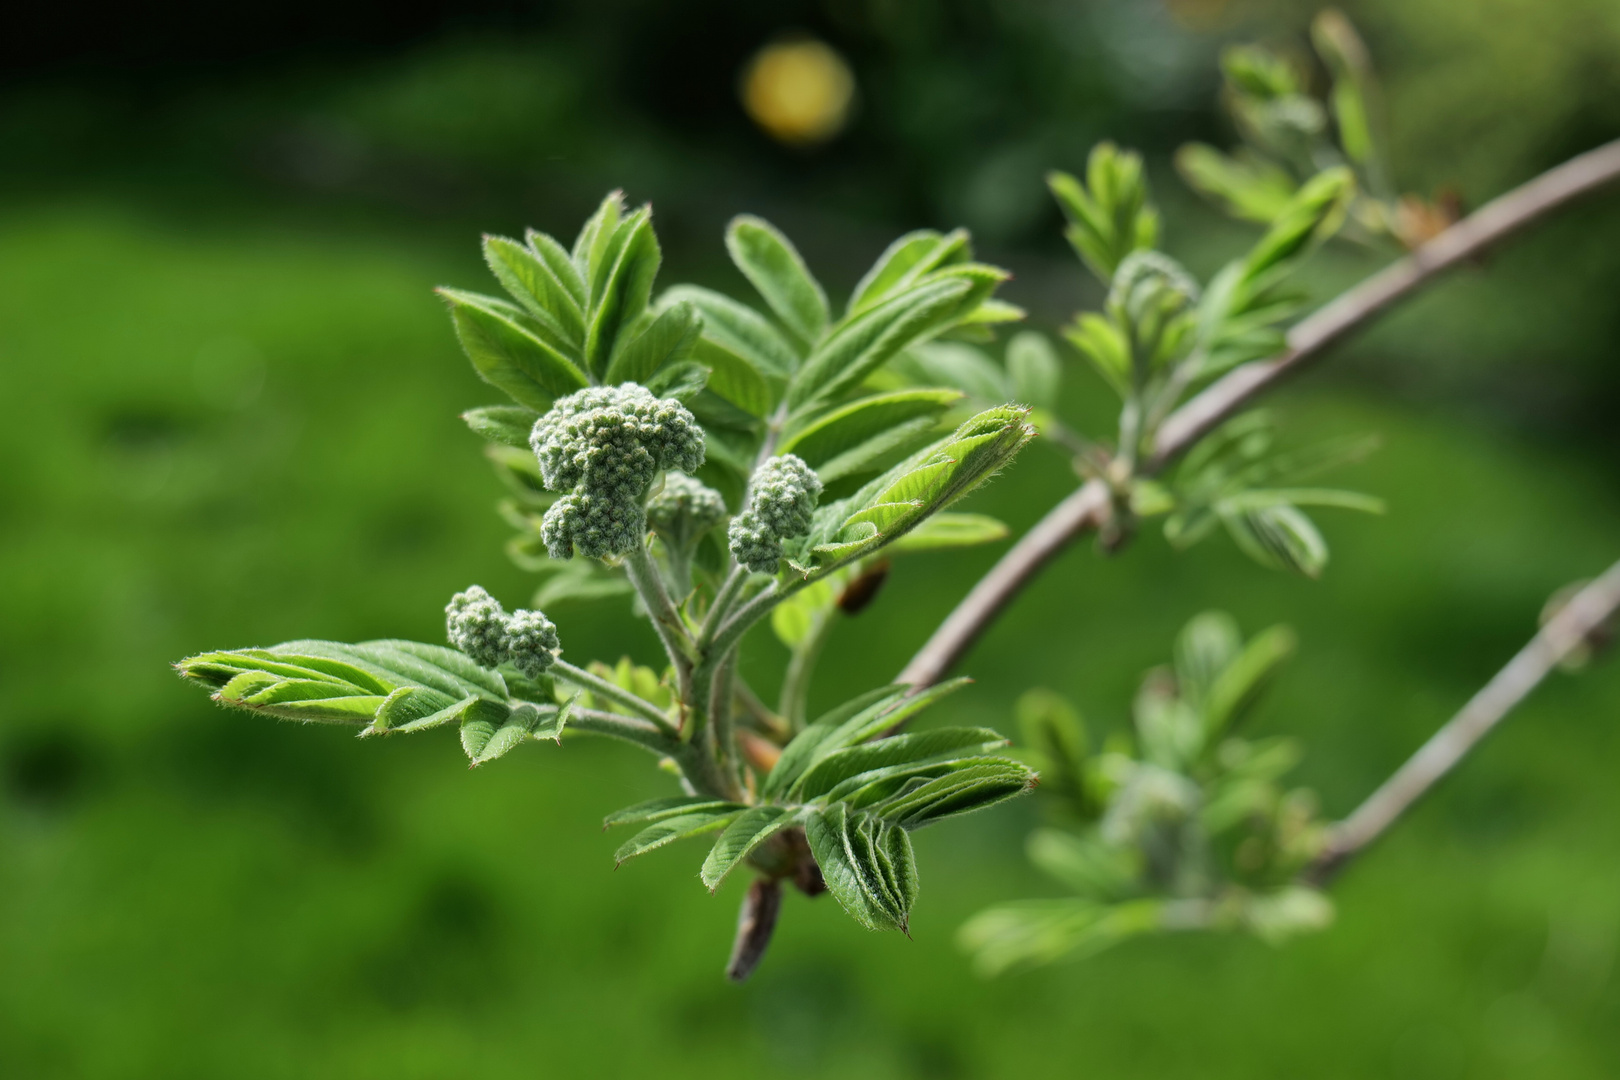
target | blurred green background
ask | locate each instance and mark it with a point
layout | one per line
(230, 419)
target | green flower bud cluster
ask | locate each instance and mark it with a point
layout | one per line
(684, 510)
(784, 496)
(476, 624)
(605, 446)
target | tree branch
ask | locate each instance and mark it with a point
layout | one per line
(1565, 632)
(1084, 509)
(1491, 223)
(1087, 508)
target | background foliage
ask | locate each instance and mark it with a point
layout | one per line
(227, 382)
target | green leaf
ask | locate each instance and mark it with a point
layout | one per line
(1343, 500)
(1109, 216)
(947, 530)
(1104, 343)
(799, 754)
(738, 329)
(961, 791)
(669, 830)
(964, 367)
(735, 379)
(487, 734)
(1280, 537)
(1037, 932)
(1240, 683)
(683, 381)
(325, 681)
(593, 240)
(560, 263)
(620, 287)
(845, 427)
(926, 483)
(853, 881)
(904, 261)
(506, 424)
(506, 354)
(1033, 366)
(662, 809)
(929, 747)
(847, 472)
(861, 345)
(1245, 185)
(1206, 646)
(1092, 868)
(742, 836)
(1314, 214)
(668, 339)
(535, 285)
(1053, 730)
(773, 266)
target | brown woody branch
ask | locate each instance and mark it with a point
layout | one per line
(1088, 507)
(1568, 630)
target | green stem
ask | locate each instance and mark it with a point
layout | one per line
(747, 615)
(720, 720)
(666, 621)
(722, 604)
(626, 728)
(615, 693)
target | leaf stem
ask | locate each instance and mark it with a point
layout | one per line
(613, 692)
(723, 599)
(626, 728)
(666, 621)
(794, 702)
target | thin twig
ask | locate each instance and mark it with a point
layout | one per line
(1565, 632)
(1491, 223)
(627, 728)
(1086, 508)
(613, 692)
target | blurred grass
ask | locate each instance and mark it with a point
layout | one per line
(236, 435)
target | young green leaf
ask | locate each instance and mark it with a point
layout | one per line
(906, 260)
(738, 329)
(668, 339)
(1034, 368)
(506, 424)
(774, 267)
(1245, 185)
(929, 747)
(506, 354)
(1240, 682)
(620, 287)
(860, 346)
(485, 735)
(742, 836)
(1109, 216)
(840, 429)
(948, 530)
(1280, 537)
(560, 263)
(662, 809)
(669, 830)
(535, 285)
(850, 883)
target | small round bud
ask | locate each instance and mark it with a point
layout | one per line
(530, 643)
(475, 623)
(783, 498)
(684, 510)
(605, 445)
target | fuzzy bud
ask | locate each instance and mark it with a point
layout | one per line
(684, 510)
(784, 496)
(605, 446)
(531, 642)
(476, 624)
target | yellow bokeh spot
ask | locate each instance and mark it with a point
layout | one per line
(799, 91)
